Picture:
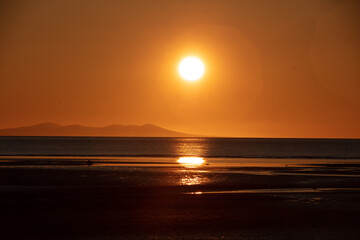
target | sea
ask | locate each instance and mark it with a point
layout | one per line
(181, 147)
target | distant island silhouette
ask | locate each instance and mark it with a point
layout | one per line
(53, 129)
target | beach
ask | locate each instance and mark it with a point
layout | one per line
(160, 198)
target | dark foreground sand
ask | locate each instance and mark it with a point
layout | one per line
(160, 201)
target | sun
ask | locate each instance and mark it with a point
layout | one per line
(191, 69)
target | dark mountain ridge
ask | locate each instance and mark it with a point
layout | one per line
(53, 129)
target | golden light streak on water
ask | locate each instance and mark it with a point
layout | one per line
(191, 162)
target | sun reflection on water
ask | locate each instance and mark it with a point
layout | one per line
(191, 180)
(191, 176)
(191, 161)
(191, 147)
(188, 177)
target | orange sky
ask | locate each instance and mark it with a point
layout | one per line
(274, 68)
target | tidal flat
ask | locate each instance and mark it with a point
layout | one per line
(160, 198)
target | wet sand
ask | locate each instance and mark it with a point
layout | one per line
(143, 198)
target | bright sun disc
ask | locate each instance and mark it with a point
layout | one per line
(191, 68)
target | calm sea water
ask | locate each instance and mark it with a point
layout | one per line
(174, 147)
